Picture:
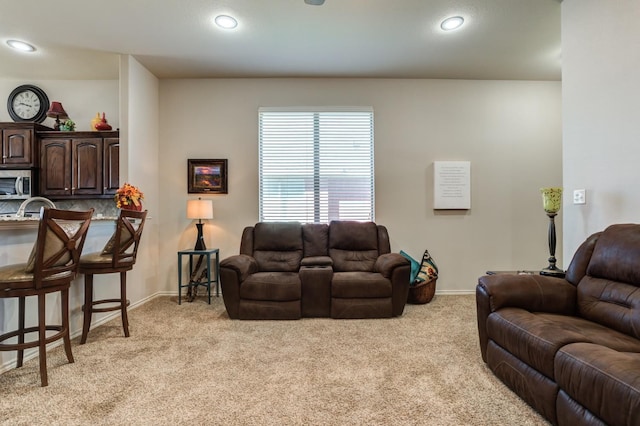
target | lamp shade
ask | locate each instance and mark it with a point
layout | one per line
(551, 199)
(56, 110)
(199, 209)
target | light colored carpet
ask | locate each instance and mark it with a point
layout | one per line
(190, 364)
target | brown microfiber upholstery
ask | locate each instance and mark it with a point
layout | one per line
(277, 247)
(353, 246)
(570, 347)
(286, 270)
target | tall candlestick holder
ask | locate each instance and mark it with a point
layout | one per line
(552, 200)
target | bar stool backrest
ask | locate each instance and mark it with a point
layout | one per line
(123, 244)
(61, 237)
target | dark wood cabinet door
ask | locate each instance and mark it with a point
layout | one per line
(111, 171)
(78, 164)
(55, 176)
(16, 147)
(87, 166)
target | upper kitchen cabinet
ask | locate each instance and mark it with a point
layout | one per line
(73, 164)
(19, 149)
(111, 165)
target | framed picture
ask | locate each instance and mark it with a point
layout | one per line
(207, 176)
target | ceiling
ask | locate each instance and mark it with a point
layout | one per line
(81, 39)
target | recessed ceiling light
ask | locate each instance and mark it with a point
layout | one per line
(21, 45)
(452, 23)
(225, 21)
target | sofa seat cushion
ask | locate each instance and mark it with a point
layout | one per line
(535, 338)
(275, 286)
(603, 380)
(360, 285)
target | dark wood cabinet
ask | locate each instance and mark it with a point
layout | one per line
(111, 165)
(55, 161)
(78, 164)
(19, 145)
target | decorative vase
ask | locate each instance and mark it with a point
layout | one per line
(132, 206)
(95, 121)
(103, 125)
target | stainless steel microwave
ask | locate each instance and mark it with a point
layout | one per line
(15, 184)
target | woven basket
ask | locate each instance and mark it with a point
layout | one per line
(422, 293)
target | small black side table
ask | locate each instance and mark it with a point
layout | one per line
(203, 265)
(521, 272)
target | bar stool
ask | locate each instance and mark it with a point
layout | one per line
(51, 267)
(118, 256)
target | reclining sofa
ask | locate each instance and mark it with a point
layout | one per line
(287, 270)
(570, 347)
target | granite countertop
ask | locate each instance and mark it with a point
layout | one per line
(14, 222)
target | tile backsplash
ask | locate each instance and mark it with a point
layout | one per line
(106, 207)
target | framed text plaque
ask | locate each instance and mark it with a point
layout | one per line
(451, 185)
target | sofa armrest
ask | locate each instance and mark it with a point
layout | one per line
(386, 263)
(536, 293)
(242, 264)
(233, 271)
(316, 261)
(397, 269)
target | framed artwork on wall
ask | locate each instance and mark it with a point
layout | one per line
(207, 176)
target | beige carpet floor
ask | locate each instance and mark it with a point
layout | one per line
(190, 364)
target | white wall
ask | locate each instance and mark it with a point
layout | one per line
(601, 112)
(139, 158)
(509, 130)
(81, 99)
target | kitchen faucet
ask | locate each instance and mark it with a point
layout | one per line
(28, 201)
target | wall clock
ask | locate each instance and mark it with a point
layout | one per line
(28, 103)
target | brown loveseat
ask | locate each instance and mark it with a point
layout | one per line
(570, 347)
(286, 270)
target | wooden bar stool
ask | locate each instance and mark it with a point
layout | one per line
(51, 267)
(118, 256)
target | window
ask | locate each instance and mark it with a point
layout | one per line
(316, 165)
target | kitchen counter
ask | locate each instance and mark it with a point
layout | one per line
(31, 222)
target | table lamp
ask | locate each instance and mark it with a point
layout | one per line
(551, 202)
(56, 110)
(199, 209)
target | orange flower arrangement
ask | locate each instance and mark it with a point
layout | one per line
(128, 196)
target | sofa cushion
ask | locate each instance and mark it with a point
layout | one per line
(315, 239)
(535, 338)
(278, 246)
(616, 255)
(278, 261)
(277, 286)
(353, 246)
(610, 292)
(360, 285)
(613, 304)
(603, 380)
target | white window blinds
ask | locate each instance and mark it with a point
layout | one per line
(316, 165)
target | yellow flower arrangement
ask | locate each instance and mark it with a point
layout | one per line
(128, 196)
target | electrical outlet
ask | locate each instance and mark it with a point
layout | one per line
(579, 196)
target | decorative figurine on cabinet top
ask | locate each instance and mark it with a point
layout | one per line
(102, 124)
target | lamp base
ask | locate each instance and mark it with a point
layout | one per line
(200, 239)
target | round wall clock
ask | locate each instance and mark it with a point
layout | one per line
(28, 103)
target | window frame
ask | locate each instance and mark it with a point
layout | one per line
(325, 140)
